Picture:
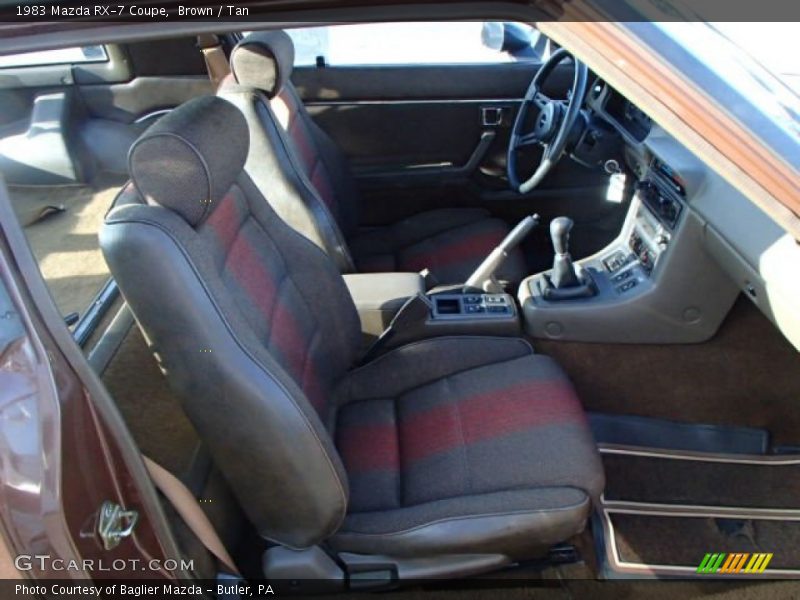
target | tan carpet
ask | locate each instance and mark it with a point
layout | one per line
(153, 414)
(65, 243)
(747, 375)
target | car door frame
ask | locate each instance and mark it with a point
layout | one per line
(84, 453)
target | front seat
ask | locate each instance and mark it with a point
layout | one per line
(445, 447)
(306, 178)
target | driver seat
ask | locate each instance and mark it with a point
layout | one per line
(306, 179)
(441, 452)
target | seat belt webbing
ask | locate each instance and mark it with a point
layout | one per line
(187, 506)
(216, 61)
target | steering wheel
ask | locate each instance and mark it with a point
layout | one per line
(553, 124)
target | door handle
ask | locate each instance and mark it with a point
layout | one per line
(492, 116)
(477, 156)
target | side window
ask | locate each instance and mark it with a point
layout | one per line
(415, 43)
(64, 56)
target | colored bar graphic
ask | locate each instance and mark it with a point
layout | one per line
(704, 563)
(715, 567)
(726, 567)
(750, 568)
(767, 558)
(740, 563)
(721, 562)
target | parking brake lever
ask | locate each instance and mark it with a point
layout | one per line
(483, 278)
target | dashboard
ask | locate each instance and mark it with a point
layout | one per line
(629, 120)
(672, 184)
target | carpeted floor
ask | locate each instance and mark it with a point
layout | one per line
(684, 541)
(160, 427)
(747, 375)
(65, 243)
(669, 481)
(157, 421)
(153, 414)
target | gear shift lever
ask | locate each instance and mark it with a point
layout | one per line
(563, 274)
(563, 281)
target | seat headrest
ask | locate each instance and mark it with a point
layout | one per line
(190, 158)
(263, 60)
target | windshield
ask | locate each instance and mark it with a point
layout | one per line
(759, 60)
(776, 46)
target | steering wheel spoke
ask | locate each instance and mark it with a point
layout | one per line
(554, 121)
(528, 139)
(540, 100)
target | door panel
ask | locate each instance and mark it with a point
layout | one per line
(164, 74)
(419, 82)
(384, 136)
(397, 117)
(98, 109)
(142, 96)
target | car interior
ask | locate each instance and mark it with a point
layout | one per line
(411, 319)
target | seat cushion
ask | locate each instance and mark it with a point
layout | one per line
(449, 242)
(464, 445)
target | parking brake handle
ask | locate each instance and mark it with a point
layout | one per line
(483, 278)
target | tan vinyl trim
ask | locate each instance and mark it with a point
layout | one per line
(682, 109)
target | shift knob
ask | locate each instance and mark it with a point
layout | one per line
(559, 233)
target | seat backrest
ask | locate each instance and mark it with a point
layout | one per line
(253, 324)
(298, 167)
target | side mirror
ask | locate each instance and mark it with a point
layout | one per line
(514, 38)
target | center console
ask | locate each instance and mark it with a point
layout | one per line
(626, 266)
(655, 218)
(653, 284)
(453, 313)
(458, 307)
